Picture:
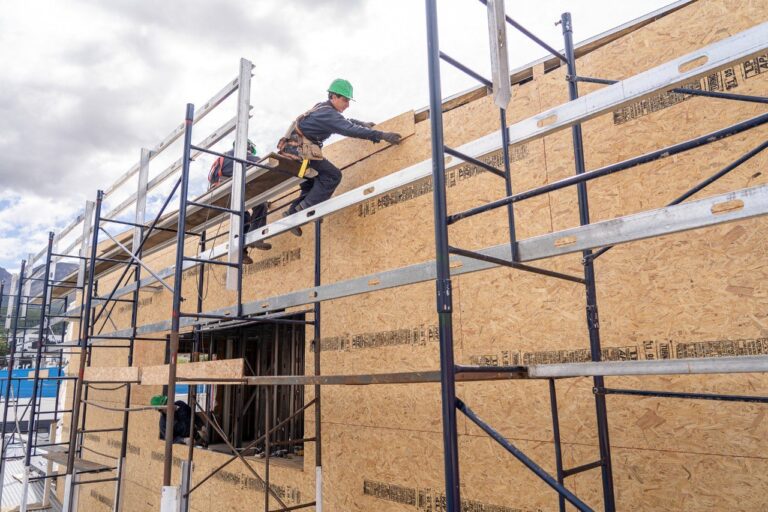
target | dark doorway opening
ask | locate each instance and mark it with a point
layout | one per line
(240, 410)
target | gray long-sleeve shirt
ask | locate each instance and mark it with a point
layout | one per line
(326, 120)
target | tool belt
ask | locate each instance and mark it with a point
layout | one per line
(294, 145)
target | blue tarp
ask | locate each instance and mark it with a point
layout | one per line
(23, 388)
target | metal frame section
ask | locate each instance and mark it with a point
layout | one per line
(207, 108)
(48, 353)
(11, 364)
(449, 261)
(591, 310)
(663, 221)
(664, 77)
(709, 138)
(42, 334)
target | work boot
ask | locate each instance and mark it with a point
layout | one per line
(262, 245)
(293, 209)
(246, 259)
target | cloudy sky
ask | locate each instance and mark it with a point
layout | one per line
(86, 83)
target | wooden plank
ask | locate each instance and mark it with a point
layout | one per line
(111, 374)
(60, 457)
(223, 370)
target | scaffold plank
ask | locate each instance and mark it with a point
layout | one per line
(223, 370)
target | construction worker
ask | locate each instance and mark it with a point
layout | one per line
(304, 142)
(222, 168)
(182, 418)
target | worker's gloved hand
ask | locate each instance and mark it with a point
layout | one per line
(391, 137)
(369, 124)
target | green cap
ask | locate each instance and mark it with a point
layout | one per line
(158, 401)
(341, 87)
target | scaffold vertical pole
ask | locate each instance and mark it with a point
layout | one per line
(11, 363)
(589, 276)
(171, 494)
(316, 354)
(443, 282)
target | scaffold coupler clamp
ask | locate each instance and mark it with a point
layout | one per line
(444, 300)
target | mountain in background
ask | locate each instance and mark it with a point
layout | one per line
(62, 271)
(5, 276)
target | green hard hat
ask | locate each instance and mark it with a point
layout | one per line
(158, 401)
(251, 147)
(341, 87)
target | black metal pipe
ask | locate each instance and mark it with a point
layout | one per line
(137, 338)
(247, 163)
(442, 262)
(558, 446)
(461, 67)
(533, 37)
(295, 507)
(152, 226)
(212, 262)
(97, 430)
(176, 308)
(253, 443)
(613, 168)
(511, 264)
(126, 261)
(593, 325)
(508, 183)
(317, 334)
(522, 457)
(686, 90)
(112, 299)
(721, 95)
(475, 161)
(135, 225)
(583, 468)
(192, 390)
(97, 481)
(703, 184)
(694, 396)
(214, 207)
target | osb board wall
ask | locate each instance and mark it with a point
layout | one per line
(697, 294)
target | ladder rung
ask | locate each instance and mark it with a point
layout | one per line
(113, 299)
(115, 260)
(212, 262)
(582, 468)
(97, 430)
(214, 207)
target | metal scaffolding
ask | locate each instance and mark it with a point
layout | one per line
(230, 204)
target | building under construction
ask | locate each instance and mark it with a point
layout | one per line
(551, 295)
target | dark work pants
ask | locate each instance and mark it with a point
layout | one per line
(256, 218)
(319, 188)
